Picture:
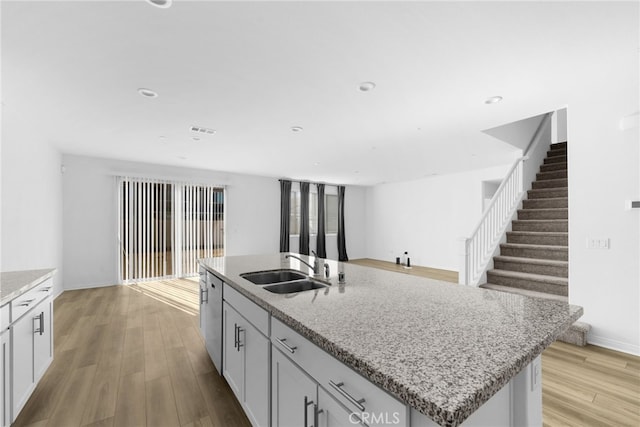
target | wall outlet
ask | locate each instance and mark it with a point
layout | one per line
(598, 243)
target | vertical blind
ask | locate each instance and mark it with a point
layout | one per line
(165, 227)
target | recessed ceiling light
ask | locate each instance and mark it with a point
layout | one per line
(316, 164)
(493, 100)
(162, 138)
(160, 3)
(296, 129)
(367, 86)
(147, 93)
(195, 138)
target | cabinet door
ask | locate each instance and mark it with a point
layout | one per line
(22, 359)
(333, 414)
(43, 338)
(233, 359)
(293, 393)
(213, 313)
(5, 358)
(256, 374)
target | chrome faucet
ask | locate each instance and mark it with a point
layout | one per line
(315, 266)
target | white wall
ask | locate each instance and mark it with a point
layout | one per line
(425, 217)
(90, 217)
(31, 199)
(603, 173)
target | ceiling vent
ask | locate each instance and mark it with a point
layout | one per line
(202, 131)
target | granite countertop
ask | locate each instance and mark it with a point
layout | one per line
(442, 348)
(15, 283)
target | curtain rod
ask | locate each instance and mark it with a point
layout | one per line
(311, 182)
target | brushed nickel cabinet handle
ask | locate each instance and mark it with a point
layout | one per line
(26, 303)
(282, 342)
(356, 402)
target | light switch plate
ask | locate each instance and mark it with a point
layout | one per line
(598, 243)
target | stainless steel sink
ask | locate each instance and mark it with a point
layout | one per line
(297, 286)
(273, 276)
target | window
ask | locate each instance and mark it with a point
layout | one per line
(330, 213)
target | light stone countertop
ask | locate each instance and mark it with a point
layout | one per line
(442, 348)
(15, 283)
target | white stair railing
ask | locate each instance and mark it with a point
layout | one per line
(477, 251)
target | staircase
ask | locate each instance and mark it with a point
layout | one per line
(534, 260)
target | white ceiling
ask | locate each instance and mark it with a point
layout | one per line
(252, 70)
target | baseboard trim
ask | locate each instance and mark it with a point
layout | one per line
(614, 344)
(91, 286)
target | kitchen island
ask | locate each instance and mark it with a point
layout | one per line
(442, 349)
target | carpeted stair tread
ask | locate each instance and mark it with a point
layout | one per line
(550, 183)
(543, 193)
(553, 167)
(528, 246)
(546, 213)
(556, 159)
(557, 152)
(559, 145)
(531, 260)
(546, 203)
(557, 174)
(557, 225)
(525, 292)
(561, 281)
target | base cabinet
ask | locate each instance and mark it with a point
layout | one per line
(293, 393)
(5, 359)
(31, 352)
(246, 365)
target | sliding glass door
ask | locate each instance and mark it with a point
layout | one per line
(165, 227)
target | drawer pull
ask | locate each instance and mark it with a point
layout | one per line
(45, 289)
(26, 303)
(282, 342)
(40, 318)
(356, 402)
(238, 329)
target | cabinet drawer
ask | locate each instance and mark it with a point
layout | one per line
(5, 315)
(251, 311)
(30, 299)
(349, 388)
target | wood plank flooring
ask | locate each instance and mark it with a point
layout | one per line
(126, 358)
(416, 270)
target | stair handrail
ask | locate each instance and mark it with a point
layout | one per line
(478, 248)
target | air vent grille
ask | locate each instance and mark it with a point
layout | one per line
(202, 130)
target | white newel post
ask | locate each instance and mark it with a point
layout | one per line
(463, 261)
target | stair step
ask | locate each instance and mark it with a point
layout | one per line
(542, 176)
(525, 292)
(553, 167)
(531, 282)
(556, 159)
(554, 213)
(538, 238)
(557, 152)
(557, 225)
(558, 253)
(558, 146)
(550, 183)
(576, 334)
(545, 193)
(532, 265)
(550, 202)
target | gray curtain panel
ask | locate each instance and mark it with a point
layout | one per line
(304, 218)
(321, 249)
(285, 209)
(342, 246)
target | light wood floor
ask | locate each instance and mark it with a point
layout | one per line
(431, 273)
(125, 358)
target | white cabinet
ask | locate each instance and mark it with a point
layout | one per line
(293, 393)
(332, 414)
(5, 361)
(246, 359)
(213, 314)
(203, 302)
(32, 352)
(42, 338)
